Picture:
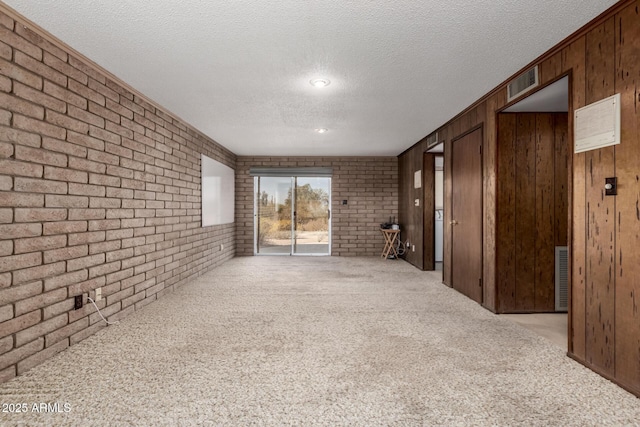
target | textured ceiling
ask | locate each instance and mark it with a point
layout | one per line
(239, 70)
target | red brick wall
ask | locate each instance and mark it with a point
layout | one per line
(98, 189)
(369, 184)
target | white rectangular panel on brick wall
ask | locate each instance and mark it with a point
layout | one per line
(218, 193)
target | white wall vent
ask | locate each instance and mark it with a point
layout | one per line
(522, 84)
(562, 278)
(432, 140)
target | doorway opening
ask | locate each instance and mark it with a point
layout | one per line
(439, 213)
(532, 223)
(433, 166)
(292, 215)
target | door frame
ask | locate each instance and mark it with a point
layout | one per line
(429, 167)
(570, 174)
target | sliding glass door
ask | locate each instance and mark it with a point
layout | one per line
(312, 215)
(293, 215)
(273, 226)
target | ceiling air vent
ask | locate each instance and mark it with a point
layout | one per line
(432, 140)
(522, 84)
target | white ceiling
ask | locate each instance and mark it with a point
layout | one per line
(239, 70)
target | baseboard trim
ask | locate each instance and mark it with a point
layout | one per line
(630, 389)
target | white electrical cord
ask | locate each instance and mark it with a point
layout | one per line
(401, 249)
(106, 321)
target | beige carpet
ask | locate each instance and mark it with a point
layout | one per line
(552, 326)
(317, 341)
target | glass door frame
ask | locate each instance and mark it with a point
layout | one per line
(256, 180)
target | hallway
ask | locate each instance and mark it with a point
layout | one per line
(317, 341)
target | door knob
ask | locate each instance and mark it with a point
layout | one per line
(453, 222)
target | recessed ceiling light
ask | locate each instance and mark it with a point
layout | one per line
(322, 130)
(320, 82)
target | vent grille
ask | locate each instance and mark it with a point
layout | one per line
(523, 83)
(562, 278)
(432, 140)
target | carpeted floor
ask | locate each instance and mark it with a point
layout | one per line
(317, 341)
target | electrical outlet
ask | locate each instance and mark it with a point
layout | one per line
(611, 186)
(98, 294)
(77, 303)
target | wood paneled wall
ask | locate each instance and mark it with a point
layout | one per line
(626, 216)
(601, 59)
(409, 215)
(531, 208)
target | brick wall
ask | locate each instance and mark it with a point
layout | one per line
(98, 189)
(369, 184)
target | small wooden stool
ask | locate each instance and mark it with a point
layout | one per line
(390, 237)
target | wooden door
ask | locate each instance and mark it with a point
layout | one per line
(466, 215)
